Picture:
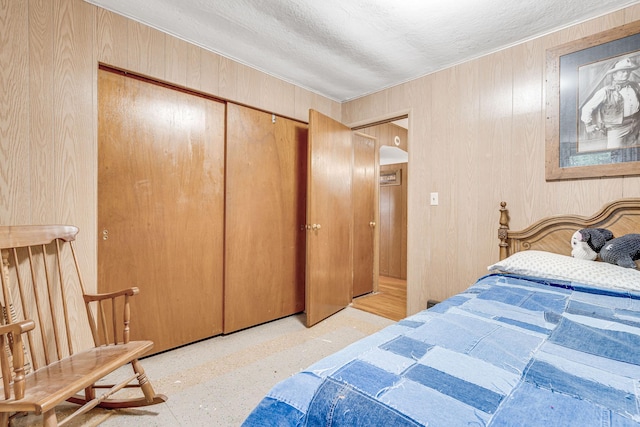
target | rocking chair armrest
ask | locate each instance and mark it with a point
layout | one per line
(103, 302)
(98, 297)
(18, 327)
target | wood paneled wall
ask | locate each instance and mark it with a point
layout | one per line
(476, 131)
(477, 137)
(49, 55)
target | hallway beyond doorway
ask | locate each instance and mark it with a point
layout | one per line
(390, 301)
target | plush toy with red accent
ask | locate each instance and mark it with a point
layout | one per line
(622, 251)
(587, 242)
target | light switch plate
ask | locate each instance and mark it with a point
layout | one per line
(434, 199)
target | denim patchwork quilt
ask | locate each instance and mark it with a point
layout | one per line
(509, 351)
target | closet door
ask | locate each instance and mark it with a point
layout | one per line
(329, 270)
(265, 216)
(160, 206)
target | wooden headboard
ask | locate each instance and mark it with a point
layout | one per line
(553, 234)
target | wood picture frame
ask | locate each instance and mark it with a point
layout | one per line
(391, 177)
(576, 71)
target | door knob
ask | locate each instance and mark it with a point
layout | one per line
(372, 224)
(105, 234)
(315, 227)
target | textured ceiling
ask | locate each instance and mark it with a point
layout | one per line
(345, 49)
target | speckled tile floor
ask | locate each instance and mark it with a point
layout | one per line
(217, 382)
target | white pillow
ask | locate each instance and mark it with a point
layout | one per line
(554, 266)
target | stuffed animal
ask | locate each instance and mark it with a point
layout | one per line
(588, 242)
(622, 251)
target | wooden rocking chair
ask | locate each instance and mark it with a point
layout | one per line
(65, 353)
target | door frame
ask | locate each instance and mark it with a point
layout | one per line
(380, 120)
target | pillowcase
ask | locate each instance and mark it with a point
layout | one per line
(562, 267)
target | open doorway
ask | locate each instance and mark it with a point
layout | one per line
(389, 296)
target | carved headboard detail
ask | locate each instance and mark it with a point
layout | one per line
(553, 234)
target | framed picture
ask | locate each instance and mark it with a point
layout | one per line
(391, 177)
(593, 106)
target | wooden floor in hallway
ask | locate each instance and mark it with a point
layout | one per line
(390, 301)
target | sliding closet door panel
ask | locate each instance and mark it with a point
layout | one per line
(160, 206)
(265, 214)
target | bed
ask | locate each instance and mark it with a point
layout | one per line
(541, 339)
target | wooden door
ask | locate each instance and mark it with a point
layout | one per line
(364, 213)
(329, 268)
(265, 216)
(393, 224)
(160, 206)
